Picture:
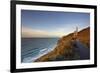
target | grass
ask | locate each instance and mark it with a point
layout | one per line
(64, 49)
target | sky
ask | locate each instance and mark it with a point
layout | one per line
(51, 23)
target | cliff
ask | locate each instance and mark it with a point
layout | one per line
(64, 49)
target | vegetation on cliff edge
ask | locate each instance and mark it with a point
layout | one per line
(64, 49)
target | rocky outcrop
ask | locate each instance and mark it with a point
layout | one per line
(64, 49)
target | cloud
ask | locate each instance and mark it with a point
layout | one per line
(29, 32)
(62, 31)
(59, 32)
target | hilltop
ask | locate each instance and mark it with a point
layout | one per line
(65, 50)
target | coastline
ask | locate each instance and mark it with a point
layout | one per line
(64, 49)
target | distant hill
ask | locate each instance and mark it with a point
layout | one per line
(64, 49)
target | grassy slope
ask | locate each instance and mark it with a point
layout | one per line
(64, 50)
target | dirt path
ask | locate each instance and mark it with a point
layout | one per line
(82, 50)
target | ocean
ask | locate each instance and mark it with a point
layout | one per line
(33, 48)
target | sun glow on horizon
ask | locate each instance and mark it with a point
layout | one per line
(29, 32)
(60, 32)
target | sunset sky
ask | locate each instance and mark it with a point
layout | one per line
(51, 24)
